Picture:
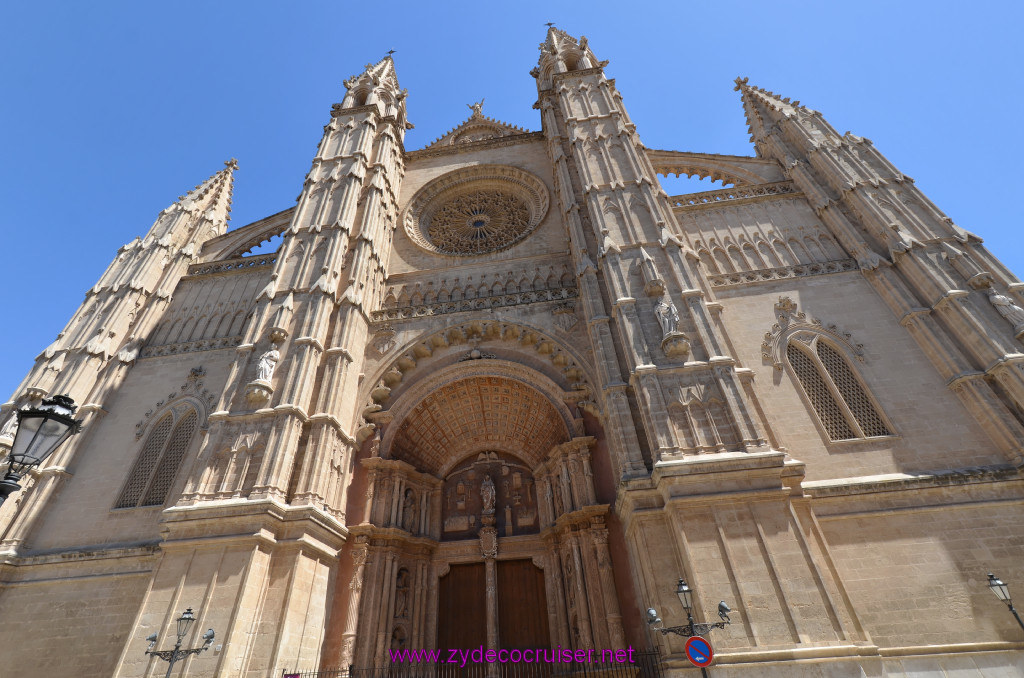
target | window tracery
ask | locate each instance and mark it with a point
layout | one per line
(157, 465)
(836, 394)
(476, 210)
(818, 353)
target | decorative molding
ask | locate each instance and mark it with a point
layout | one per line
(236, 265)
(902, 481)
(475, 194)
(795, 324)
(781, 273)
(191, 346)
(485, 144)
(736, 196)
(564, 315)
(193, 391)
(480, 303)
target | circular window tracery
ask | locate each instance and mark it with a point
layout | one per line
(476, 210)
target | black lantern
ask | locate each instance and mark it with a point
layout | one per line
(996, 586)
(685, 594)
(41, 430)
(1002, 592)
(185, 622)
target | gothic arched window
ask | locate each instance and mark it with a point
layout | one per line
(159, 460)
(836, 394)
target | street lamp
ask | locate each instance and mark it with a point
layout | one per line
(1002, 591)
(691, 628)
(185, 622)
(41, 430)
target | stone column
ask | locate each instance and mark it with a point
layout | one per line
(489, 548)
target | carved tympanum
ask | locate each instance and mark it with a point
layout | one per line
(489, 488)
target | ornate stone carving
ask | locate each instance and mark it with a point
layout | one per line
(384, 340)
(489, 542)
(781, 272)
(478, 222)
(402, 594)
(491, 490)
(1009, 310)
(565, 315)
(410, 511)
(10, 427)
(267, 364)
(193, 391)
(476, 210)
(794, 324)
(487, 495)
(673, 342)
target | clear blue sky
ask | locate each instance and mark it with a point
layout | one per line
(111, 110)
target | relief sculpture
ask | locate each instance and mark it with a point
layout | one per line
(490, 488)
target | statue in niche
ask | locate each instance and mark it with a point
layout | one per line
(487, 494)
(1008, 309)
(667, 314)
(398, 638)
(559, 509)
(402, 594)
(410, 511)
(267, 364)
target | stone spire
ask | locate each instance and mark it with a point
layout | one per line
(560, 53)
(378, 85)
(904, 245)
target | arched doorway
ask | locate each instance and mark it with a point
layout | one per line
(483, 530)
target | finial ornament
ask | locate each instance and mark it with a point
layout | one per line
(549, 24)
(740, 82)
(231, 164)
(390, 52)
(477, 108)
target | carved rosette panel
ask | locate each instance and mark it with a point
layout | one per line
(476, 210)
(515, 497)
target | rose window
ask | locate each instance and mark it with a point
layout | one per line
(478, 222)
(476, 210)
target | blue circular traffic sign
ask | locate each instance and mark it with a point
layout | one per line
(699, 651)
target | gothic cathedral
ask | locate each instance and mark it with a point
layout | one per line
(503, 392)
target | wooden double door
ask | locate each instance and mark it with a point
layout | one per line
(522, 614)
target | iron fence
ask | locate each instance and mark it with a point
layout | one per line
(646, 664)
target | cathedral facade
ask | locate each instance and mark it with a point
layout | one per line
(503, 391)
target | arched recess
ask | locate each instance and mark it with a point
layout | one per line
(478, 405)
(481, 338)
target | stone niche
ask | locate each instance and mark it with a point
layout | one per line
(515, 497)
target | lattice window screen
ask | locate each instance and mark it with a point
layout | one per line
(144, 465)
(828, 410)
(168, 468)
(856, 399)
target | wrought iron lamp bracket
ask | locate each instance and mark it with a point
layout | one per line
(693, 629)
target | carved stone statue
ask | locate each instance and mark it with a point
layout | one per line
(1008, 309)
(267, 364)
(487, 494)
(667, 314)
(10, 427)
(402, 594)
(410, 511)
(477, 108)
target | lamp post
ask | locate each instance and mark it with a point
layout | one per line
(690, 628)
(41, 430)
(185, 622)
(1002, 591)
